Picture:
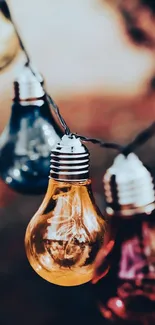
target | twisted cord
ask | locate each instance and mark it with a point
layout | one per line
(109, 145)
(140, 139)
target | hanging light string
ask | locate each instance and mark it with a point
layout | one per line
(140, 139)
(49, 99)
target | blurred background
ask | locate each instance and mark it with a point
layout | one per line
(98, 61)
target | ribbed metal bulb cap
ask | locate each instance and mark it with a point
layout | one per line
(128, 186)
(28, 88)
(70, 160)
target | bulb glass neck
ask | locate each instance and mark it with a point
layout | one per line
(128, 187)
(70, 160)
(28, 88)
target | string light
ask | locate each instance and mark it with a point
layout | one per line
(31, 133)
(65, 234)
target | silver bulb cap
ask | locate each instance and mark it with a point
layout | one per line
(128, 187)
(70, 160)
(28, 88)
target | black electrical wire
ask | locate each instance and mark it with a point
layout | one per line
(140, 139)
(56, 109)
(110, 145)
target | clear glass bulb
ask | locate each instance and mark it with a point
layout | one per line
(9, 43)
(65, 234)
(27, 140)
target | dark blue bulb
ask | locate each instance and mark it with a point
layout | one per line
(25, 147)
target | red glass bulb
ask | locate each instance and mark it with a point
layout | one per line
(124, 277)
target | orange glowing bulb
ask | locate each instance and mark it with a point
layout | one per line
(65, 234)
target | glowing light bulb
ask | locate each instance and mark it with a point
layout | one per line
(9, 43)
(65, 234)
(124, 277)
(27, 140)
